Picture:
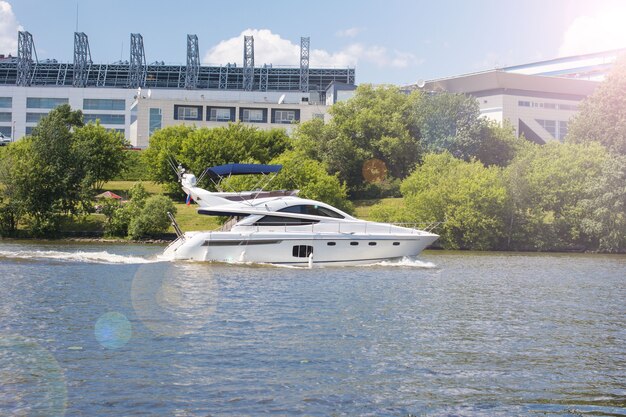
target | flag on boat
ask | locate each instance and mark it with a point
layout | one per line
(188, 199)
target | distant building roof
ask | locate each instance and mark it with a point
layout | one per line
(499, 81)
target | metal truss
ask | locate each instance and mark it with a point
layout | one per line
(248, 63)
(304, 64)
(137, 69)
(193, 62)
(25, 66)
(27, 70)
(82, 59)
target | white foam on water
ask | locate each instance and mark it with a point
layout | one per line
(102, 257)
(407, 262)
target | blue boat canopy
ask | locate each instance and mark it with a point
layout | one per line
(242, 169)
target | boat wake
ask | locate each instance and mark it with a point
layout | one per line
(406, 262)
(102, 257)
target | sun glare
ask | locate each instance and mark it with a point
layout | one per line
(600, 31)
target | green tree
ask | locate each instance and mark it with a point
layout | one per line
(199, 148)
(546, 184)
(152, 219)
(374, 124)
(100, 152)
(43, 172)
(467, 196)
(604, 209)
(602, 116)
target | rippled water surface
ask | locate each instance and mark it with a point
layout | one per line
(114, 330)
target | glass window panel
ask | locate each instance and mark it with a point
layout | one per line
(6, 102)
(252, 115)
(103, 104)
(105, 119)
(34, 117)
(5, 116)
(155, 119)
(188, 113)
(44, 103)
(219, 114)
(6, 131)
(284, 116)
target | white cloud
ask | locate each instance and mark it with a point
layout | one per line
(601, 31)
(349, 33)
(8, 29)
(270, 48)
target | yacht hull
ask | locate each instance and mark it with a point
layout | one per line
(298, 249)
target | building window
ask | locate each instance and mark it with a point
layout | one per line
(252, 116)
(35, 117)
(220, 114)
(5, 116)
(523, 103)
(570, 107)
(155, 120)
(549, 126)
(6, 102)
(105, 119)
(187, 112)
(29, 130)
(318, 116)
(562, 130)
(44, 103)
(103, 104)
(284, 116)
(6, 131)
(116, 130)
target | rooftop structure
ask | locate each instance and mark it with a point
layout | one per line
(136, 98)
(27, 70)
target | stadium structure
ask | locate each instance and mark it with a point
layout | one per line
(137, 98)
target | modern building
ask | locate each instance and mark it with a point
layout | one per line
(539, 107)
(136, 97)
(538, 99)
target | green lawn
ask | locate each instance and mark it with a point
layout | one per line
(362, 208)
(122, 187)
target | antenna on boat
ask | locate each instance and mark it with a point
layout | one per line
(178, 168)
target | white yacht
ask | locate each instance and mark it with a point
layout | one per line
(278, 227)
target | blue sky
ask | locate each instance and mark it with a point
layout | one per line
(390, 41)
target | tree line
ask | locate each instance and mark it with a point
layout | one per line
(491, 189)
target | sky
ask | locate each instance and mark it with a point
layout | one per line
(387, 42)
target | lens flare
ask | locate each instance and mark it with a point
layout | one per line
(113, 330)
(174, 299)
(31, 380)
(374, 170)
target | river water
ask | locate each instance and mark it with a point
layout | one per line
(114, 330)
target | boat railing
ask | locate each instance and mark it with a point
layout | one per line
(348, 227)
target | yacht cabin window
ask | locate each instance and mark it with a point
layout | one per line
(312, 210)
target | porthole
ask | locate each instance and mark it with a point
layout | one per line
(331, 243)
(354, 243)
(372, 243)
(396, 243)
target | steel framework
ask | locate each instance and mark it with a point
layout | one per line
(304, 64)
(248, 63)
(82, 60)
(25, 49)
(193, 62)
(25, 70)
(137, 68)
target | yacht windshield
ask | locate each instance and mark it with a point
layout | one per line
(312, 210)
